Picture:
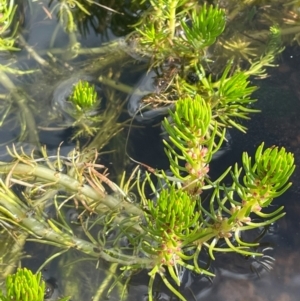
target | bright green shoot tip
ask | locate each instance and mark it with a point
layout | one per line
(84, 96)
(25, 286)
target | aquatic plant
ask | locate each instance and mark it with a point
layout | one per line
(178, 215)
(7, 30)
(25, 286)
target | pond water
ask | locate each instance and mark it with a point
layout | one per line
(274, 277)
(278, 124)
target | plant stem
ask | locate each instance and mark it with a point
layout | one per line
(70, 184)
(172, 19)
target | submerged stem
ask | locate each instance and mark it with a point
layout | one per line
(21, 101)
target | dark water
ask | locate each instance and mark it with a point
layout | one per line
(237, 278)
(277, 124)
(275, 276)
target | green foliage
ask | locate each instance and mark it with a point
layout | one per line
(271, 172)
(191, 132)
(171, 222)
(179, 40)
(273, 49)
(167, 234)
(7, 33)
(206, 26)
(230, 97)
(173, 215)
(84, 96)
(188, 125)
(178, 220)
(83, 109)
(25, 286)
